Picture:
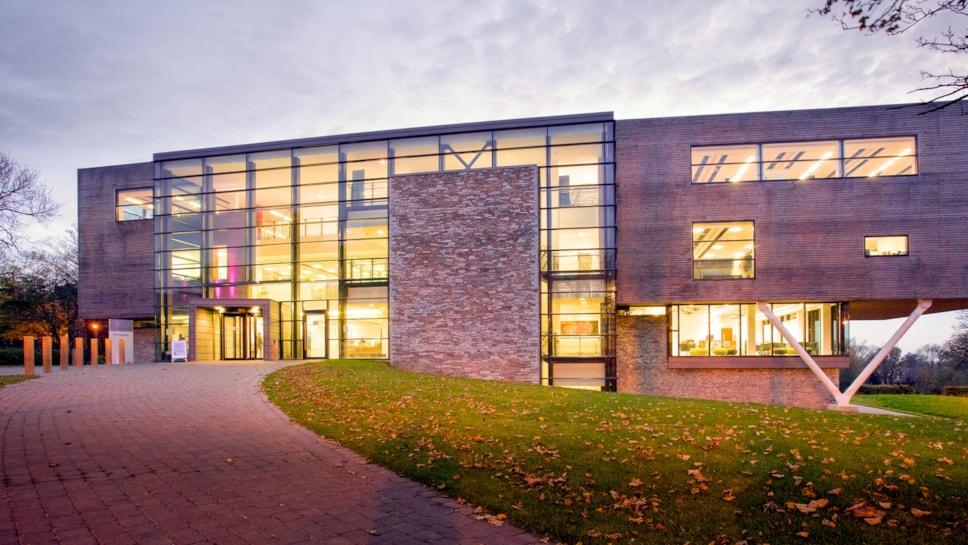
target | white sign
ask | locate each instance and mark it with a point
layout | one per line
(119, 330)
(179, 350)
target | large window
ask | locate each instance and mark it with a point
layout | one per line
(723, 250)
(134, 204)
(859, 158)
(740, 329)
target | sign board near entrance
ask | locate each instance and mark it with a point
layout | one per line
(179, 350)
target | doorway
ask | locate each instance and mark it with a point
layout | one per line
(241, 336)
(316, 328)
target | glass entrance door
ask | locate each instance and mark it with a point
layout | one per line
(316, 345)
(241, 336)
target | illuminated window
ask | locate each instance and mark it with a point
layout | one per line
(858, 158)
(874, 157)
(722, 250)
(725, 163)
(134, 204)
(741, 329)
(892, 245)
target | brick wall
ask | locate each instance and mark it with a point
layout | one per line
(144, 345)
(115, 275)
(643, 369)
(809, 234)
(464, 299)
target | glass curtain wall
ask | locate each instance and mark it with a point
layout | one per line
(578, 258)
(308, 227)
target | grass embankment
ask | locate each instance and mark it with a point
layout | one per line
(952, 407)
(596, 468)
(12, 379)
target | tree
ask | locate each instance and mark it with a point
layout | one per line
(954, 352)
(22, 197)
(895, 17)
(860, 354)
(38, 291)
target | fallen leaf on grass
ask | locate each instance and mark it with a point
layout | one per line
(861, 510)
(919, 513)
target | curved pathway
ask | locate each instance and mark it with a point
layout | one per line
(192, 453)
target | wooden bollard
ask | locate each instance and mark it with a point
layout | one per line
(46, 351)
(29, 356)
(94, 358)
(65, 351)
(121, 353)
(79, 352)
(107, 352)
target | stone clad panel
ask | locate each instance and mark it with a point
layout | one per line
(464, 300)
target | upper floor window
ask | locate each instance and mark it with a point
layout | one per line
(134, 204)
(722, 250)
(855, 158)
(892, 245)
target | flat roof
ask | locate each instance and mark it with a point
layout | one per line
(521, 123)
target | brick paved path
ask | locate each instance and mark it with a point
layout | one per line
(191, 454)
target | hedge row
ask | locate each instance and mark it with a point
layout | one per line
(15, 356)
(957, 391)
(886, 389)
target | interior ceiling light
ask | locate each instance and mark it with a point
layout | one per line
(813, 168)
(743, 169)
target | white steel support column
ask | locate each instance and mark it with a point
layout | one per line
(843, 399)
(829, 384)
(923, 305)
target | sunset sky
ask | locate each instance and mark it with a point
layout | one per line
(103, 82)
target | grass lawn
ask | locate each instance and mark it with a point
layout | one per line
(13, 379)
(597, 468)
(927, 405)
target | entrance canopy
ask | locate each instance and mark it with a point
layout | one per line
(233, 329)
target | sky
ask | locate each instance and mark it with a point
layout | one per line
(102, 82)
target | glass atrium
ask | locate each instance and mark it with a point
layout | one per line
(305, 224)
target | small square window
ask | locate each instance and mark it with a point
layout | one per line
(134, 204)
(723, 250)
(881, 246)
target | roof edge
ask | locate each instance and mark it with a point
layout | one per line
(520, 123)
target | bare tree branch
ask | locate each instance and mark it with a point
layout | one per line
(895, 17)
(22, 197)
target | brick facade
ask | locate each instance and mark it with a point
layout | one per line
(116, 258)
(116, 268)
(809, 234)
(464, 265)
(643, 368)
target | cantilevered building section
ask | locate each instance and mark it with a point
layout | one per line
(712, 256)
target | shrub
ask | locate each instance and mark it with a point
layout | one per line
(11, 355)
(14, 355)
(957, 391)
(886, 389)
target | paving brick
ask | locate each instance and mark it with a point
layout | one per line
(142, 454)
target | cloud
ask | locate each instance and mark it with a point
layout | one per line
(114, 81)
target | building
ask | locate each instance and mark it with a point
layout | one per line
(661, 256)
